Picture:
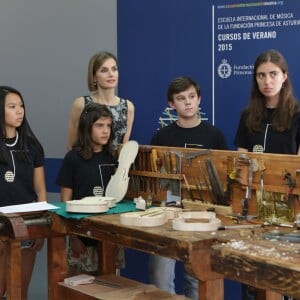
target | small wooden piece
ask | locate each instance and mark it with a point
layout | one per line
(207, 221)
(151, 217)
(199, 205)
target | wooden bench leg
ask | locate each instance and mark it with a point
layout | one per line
(107, 257)
(14, 276)
(273, 295)
(57, 265)
(211, 289)
(268, 295)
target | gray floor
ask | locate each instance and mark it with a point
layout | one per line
(38, 285)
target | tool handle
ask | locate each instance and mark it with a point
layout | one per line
(158, 163)
(154, 160)
(173, 159)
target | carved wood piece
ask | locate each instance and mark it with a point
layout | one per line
(206, 221)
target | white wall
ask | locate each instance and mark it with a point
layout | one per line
(44, 52)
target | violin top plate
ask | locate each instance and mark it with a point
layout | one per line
(118, 185)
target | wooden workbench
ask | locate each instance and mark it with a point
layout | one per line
(194, 249)
(203, 253)
(191, 248)
(15, 229)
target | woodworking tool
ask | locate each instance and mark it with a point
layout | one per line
(188, 188)
(215, 182)
(241, 226)
(189, 156)
(206, 182)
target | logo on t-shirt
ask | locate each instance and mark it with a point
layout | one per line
(169, 116)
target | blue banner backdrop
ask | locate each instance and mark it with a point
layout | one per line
(240, 32)
(214, 42)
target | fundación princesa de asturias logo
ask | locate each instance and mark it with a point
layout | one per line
(224, 69)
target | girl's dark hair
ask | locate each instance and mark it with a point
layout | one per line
(287, 105)
(26, 135)
(181, 84)
(91, 113)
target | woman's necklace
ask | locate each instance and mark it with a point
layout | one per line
(15, 142)
(9, 176)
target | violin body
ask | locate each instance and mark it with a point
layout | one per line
(118, 184)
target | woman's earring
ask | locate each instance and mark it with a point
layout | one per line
(95, 82)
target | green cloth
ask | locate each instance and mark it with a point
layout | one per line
(121, 207)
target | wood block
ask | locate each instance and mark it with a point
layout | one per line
(112, 287)
(202, 206)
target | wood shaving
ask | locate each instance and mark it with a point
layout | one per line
(270, 252)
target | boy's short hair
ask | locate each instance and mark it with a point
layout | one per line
(181, 84)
